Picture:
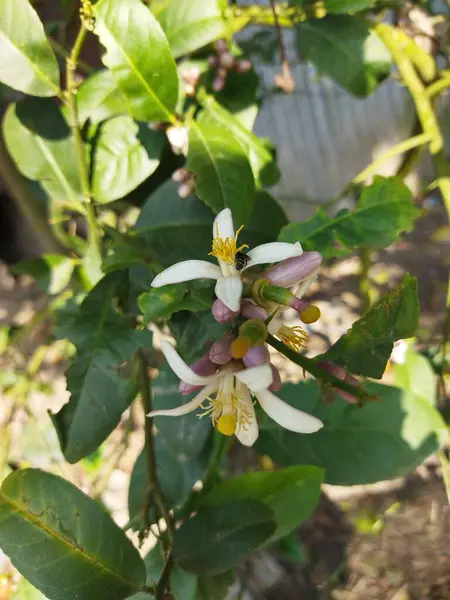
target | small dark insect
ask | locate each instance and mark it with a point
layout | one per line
(241, 260)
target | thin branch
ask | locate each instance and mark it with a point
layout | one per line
(309, 365)
(61, 51)
(284, 80)
(163, 582)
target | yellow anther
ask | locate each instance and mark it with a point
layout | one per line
(239, 347)
(226, 424)
(225, 248)
(294, 337)
(310, 314)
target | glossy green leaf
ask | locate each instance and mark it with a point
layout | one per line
(291, 493)
(341, 6)
(223, 176)
(344, 48)
(183, 584)
(367, 346)
(176, 229)
(126, 153)
(63, 542)
(215, 587)
(27, 60)
(142, 63)
(41, 144)
(99, 98)
(162, 303)
(259, 151)
(384, 211)
(190, 25)
(99, 394)
(25, 591)
(184, 437)
(384, 439)
(219, 537)
(52, 271)
(416, 375)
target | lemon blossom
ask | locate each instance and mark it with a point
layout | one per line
(224, 248)
(228, 395)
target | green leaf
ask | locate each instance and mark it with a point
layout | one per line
(345, 49)
(27, 60)
(384, 439)
(141, 63)
(41, 144)
(99, 395)
(177, 474)
(175, 229)
(384, 210)
(215, 587)
(416, 375)
(25, 591)
(190, 25)
(195, 332)
(161, 303)
(219, 537)
(347, 6)
(367, 346)
(63, 542)
(260, 152)
(52, 271)
(126, 153)
(291, 493)
(99, 98)
(184, 437)
(223, 176)
(183, 584)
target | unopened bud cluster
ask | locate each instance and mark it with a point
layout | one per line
(223, 62)
(186, 181)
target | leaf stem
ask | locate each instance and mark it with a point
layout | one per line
(310, 365)
(284, 81)
(154, 491)
(163, 582)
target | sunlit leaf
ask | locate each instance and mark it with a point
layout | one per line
(99, 98)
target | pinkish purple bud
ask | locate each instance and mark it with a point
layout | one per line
(341, 374)
(186, 189)
(212, 60)
(226, 60)
(294, 270)
(221, 46)
(275, 386)
(180, 175)
(222, 313)
(249, 310)
(222, 73)
(218, 84)
(220, 351)
(299, 305)
(243, 66)
(258, 355)
(202, 366)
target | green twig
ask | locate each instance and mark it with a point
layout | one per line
(311, 366)
(61, 51)
(163, 582)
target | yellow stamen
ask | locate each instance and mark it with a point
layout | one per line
(310, 314)
(225, 248)
(239, 347)
(226, 424)
(294, 337)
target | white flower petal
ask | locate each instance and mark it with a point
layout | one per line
(223, 224)
(304, 285)
(186, 271)
(182, 370)
(189, 406)
(249, 434)
(256, 378)
(274, 325)
(286, 415)
(229, 291)
(273, 252)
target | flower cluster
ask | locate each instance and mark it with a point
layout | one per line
(237, 367)
(224, 62)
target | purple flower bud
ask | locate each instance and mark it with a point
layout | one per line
(220, 351)
(202, 366)
(226, 60)
(258, 355)
(294, 270)
(275, 386)
(218, 84)
(221, 46)
(249, 310)
(222, 313)
(180, 175)
(186, 189)
(243, 66)
(212, 60)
